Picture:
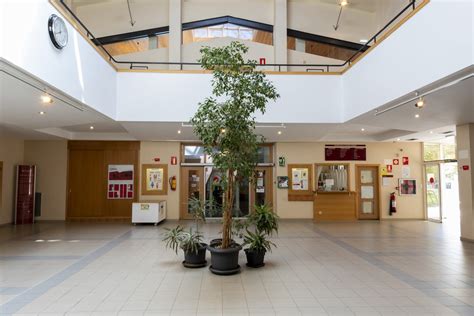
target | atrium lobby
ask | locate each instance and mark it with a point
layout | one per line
(236, 157)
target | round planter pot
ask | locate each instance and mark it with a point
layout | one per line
(224, 261)
(255, 258)
(195, 260)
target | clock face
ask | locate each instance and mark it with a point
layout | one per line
(57, 31)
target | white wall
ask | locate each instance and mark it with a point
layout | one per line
(77, 70)
(11, 153)
(174, 97)
(426, 48)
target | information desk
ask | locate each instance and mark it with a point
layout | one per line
(148, 212)
(334, 206)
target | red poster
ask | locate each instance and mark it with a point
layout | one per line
(25, 194)
(120, 184)
(405, 161)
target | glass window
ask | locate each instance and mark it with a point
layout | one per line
(439, 151)
(227, 30)
(193, 154)
(332, 178)
(264, 154)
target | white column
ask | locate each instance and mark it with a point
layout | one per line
(279, 32)
(465, 147)
(174, 49)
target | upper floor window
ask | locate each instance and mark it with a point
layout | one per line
(227, 30)
(439, 151)
(195, 154)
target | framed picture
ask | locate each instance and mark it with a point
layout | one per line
(282, 182)
(154, 179)
(407, 186)
(120, 182)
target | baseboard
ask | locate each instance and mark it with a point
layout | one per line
(466, 239)
(402, 219)
(6, 224)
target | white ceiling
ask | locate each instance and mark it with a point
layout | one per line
(20, 105)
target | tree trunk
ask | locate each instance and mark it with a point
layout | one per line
(227, 214)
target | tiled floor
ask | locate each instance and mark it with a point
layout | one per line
(366, 268)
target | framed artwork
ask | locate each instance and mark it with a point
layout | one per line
(282, 182)
(407, 186)
(120, 182)
(154, 179)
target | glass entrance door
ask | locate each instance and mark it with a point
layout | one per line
(450, 193)
(433, 193)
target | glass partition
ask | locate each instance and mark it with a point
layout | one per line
(332, 177)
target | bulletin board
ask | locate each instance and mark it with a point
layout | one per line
(300, 182)
(154, 179)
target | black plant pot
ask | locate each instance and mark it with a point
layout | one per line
(255, 258)
(195, 260)
(224, 261)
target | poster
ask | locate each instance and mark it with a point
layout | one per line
(299, 179)
(120, 182)
(407, 186)
(260, 187)
(282, 182)
(406, 172)
(154, 179)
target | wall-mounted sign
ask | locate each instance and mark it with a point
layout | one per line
(120, 182)
(345, 152)
(174, 160)
(282, 182)
(157, 159)
(281, 161)
(407, 186)
(465, 167)
(263, 61)
(405, 161)
(396, 162)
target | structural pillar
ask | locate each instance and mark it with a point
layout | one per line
(175, 33)
(465, 148)
(280, 26)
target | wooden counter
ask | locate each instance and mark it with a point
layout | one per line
(334, 206)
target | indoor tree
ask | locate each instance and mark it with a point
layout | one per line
(225, 121)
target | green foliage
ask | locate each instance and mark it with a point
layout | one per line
(257, 241)
(225, 122)
(172, 237)
(198, 208)
(264, 219)
(177, 237)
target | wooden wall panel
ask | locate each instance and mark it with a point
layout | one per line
(87, 179)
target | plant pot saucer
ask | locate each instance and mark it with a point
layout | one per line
(255, 266)
(225, 272)
(194, 265)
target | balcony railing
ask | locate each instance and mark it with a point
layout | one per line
(106, 47)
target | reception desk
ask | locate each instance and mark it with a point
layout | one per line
(334, 206)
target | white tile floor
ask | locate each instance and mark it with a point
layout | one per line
(366, 268)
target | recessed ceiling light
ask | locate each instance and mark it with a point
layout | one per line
(179, 131)
(279, 132)
(344, 3)
(431, 132)
(46, 99)
(41, 113)
(362, 129)
(398, 139)
(420, 103)
(364, 41)
(417, 115)
(91, 127)
(222, 130)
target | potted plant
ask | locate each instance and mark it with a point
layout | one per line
(264, 223)
(190, 241)
(225, 124)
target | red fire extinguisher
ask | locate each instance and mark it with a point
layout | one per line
(393, 204)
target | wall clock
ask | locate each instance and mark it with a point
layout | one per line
(57, 31)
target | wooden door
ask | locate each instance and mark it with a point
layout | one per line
(192, 185)
(86, 183)
(262, 189)
(367, 192)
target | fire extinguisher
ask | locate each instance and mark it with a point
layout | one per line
(393, 204)
(173, 183)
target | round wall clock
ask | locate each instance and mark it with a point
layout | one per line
(57, 31)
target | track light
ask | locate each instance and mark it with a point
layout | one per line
(420, 103)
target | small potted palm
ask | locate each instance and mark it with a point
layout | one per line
(190, 241)
(264, 223)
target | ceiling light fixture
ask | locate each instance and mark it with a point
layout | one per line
(279, 132)
(420, 103)
(179, 131)
(41, 113)
(91, 127)
(46, 99)
(398, 139)
(362, 129)
(431, 132)
(344, 3)
(222, 130)
(417, 115)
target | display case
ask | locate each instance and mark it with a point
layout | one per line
(332, 177)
